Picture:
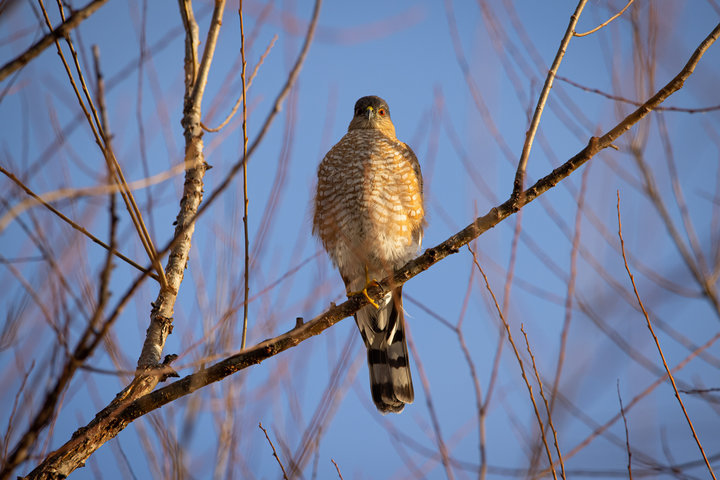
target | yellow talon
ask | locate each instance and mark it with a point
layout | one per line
(368, 283)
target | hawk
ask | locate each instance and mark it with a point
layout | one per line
(368, 214)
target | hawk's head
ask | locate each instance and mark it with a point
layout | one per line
(372, 112)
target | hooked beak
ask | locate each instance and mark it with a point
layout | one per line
(369, 112)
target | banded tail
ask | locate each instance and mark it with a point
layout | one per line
(383, 331)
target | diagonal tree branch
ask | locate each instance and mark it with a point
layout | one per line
(657, 344)
(57, 33)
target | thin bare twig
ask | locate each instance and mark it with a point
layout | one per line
(246, 276)
(203, 70)
(145, 68)
(636, 103)
(519, 359)
(337, 468)
(547, 405)
(530, 136)
(61, 31)
(657, 343)
(701, 390)
(274, 451)
(505, 307)
(605, 23)
(627, 435)
(249, 83)
(114, 168)
(6, 439)
(100, 94)
(96, 128)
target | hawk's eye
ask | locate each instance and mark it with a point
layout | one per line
(381, 112)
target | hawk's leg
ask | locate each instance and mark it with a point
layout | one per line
(368, 283)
